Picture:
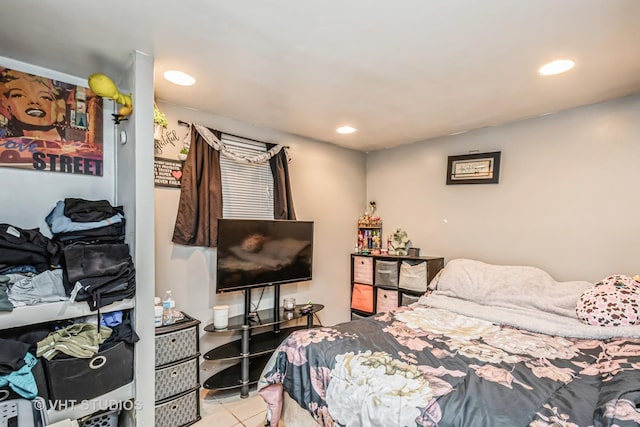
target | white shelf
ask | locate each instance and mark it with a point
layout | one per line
(83, 408)
(40, 313)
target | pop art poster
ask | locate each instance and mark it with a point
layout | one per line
(49, 125)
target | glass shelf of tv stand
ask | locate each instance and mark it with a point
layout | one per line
(265, 318)
(258, 347)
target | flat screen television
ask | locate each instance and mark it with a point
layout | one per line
(254, 253)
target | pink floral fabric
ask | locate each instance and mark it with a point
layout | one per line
(614, 301)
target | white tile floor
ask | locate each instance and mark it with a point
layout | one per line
(227, 409)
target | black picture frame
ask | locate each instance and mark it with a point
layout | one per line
(477, 168)
(167, 172)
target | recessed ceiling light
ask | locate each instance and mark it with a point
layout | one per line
(556, 67)
(179, 78)
(345, 129)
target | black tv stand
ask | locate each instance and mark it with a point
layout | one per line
(252, 351)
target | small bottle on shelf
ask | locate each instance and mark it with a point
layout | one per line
(167, 309)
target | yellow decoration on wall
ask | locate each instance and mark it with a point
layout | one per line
(102, 85)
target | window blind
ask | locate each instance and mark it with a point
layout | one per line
(247, 189)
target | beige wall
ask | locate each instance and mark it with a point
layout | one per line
(328, 188)
(567, 201)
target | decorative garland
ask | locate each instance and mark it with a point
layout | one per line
(218, 145)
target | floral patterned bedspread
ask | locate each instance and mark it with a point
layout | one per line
(421, 366)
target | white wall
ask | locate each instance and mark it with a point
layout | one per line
(134, 191)
(328, 186)
(567, 201)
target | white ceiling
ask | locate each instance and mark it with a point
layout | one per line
(399, 71)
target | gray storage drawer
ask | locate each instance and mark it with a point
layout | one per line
(408, 299)
(355, 316)
(176, 379)
(176, 345)
(386, 273)
(178, 412)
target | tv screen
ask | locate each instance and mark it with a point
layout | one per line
(254, 253)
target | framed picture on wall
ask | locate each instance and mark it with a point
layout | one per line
(477, 168)
(49, 125)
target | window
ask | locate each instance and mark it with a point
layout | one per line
(247, 189)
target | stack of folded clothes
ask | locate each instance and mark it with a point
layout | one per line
(90, 221)
(96, 263)
(86, 259)
(99, 274)
(26, 251)
(27, 258)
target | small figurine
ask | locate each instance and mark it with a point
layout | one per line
(399, 242)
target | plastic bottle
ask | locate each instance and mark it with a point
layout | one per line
(167, 309)
(157, 312)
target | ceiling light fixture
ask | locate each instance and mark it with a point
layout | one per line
(345, 129)
(558, 66)
(179, 78)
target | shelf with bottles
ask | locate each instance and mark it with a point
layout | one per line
(369, 232)
(369, 240)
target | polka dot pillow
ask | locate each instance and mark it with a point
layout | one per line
(614, 301)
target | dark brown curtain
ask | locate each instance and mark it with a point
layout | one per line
(200, 196)
(282, 199)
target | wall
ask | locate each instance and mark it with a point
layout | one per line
(134, 191)
(328, 185)
(567, 200)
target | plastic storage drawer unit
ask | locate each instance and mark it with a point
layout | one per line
(178, 412)
(176, 379)
(175, 346)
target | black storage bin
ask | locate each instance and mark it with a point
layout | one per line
(80, 379)
(38, 374)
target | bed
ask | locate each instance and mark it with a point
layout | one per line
(490, 346)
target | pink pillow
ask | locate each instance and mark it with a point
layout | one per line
(614, 301)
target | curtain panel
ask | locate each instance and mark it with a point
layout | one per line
(200, 203)
(282, 198)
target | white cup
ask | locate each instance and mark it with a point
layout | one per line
(289, 303)
(220, 316)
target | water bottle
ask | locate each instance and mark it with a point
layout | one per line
(167, 309)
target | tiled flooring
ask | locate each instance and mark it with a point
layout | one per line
(229, 410)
